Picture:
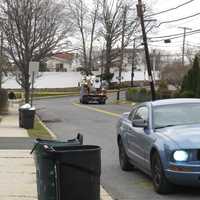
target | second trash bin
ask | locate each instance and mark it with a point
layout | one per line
(26, 116)
(21, 109)
(67, 170)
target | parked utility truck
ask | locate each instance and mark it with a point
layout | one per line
(92, 91)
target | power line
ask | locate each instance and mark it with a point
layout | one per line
(180, 36)
(162, 46)
(176, 20)
(164, 11)
(177, 34)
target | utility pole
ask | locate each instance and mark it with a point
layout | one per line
(122, 52)
(133, 63)
(183, 48)
(141, 16)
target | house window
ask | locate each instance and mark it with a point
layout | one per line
(59, 67)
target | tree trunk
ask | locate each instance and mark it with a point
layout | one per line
(108, 57)
(26, 88)
(122, 52)
(0, 78)
(27, 94)
(92, 38)
(108, 61)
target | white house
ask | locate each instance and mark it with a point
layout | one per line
(63, 62)
(139, 60)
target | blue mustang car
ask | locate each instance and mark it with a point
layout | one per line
(162, 138)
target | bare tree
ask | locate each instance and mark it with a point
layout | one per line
(117, 17)
(173, 74)
(85, 20)
(33, 29)
(1, 61)
(93, 17)
(190, 52)
(111, 22)
(5, 68)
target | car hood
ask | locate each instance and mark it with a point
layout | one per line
(186, 137)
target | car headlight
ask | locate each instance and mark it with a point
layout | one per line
(180, 155)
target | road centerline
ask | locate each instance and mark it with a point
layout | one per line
(97, 110)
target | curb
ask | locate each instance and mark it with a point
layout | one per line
(50, 132)
(104, 194)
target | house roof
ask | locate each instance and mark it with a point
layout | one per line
(64, 55)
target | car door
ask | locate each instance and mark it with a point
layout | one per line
(136, 136)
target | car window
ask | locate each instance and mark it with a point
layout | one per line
(176, 114)
(141, 113)
(131, 115)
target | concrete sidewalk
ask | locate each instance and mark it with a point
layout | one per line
(17, 169)
(17, 175)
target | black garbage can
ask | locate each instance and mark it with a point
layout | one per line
(24, 108)
(67, 170)
(78, 170)
(28, 118)
(21, 122)
(20, 118)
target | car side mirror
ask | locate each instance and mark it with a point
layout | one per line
(139, 123)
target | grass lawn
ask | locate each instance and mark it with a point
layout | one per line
(39, 131)
(48, 94)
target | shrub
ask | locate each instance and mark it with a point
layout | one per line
(11, 95)
(143, 91)
(132, 90)
(18, 95)
(187, 94)
(191, 81)
(176, 94)
(137, 95)
(163, 92)
(162, 85)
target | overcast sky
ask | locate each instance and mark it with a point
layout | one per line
(173, 28)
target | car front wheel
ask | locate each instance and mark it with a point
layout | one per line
(123, 158)
(160, 182)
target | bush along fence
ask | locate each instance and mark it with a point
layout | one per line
(138, 95)
(142, 94)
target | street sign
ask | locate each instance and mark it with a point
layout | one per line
(33, 68)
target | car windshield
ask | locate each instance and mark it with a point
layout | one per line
(176, 114)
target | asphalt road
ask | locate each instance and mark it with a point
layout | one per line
(65, 117)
